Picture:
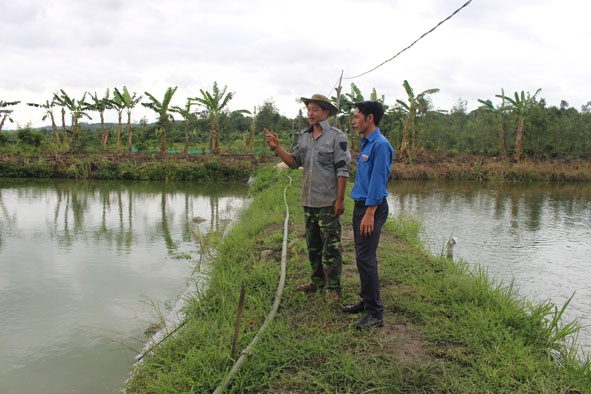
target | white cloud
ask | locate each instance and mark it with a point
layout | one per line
(264, 49)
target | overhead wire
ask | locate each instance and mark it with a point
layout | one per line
(248, 350)
(413, 43)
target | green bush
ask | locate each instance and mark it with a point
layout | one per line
(30, 137)
(15, 170)
(129, 171)
(107, 170)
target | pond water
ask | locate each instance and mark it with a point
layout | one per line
(86, 267)
(537, 234)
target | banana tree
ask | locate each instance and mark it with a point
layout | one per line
(500, 113)
(48, 108)
(214, 104)
(187, 116)
(162, 109)
(345, 116)
(520, 105)
(253, 126)
(414, 102)
(127, 102)
(118, 106)
(77, 110)
(424, 110)
(5, 112)
(374, 97)
(101, 105)
(346, 107)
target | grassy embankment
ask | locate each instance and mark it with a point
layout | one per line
(448, 328)
(203, 168)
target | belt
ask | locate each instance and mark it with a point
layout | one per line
(361, 203)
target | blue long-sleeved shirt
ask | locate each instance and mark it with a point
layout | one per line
(373, 169)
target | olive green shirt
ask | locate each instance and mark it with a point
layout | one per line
(324, 159)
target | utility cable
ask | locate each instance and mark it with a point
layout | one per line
(414, 42)
(248, 350)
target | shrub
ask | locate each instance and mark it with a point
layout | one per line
(30, 137)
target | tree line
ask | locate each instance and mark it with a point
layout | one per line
(511, 126)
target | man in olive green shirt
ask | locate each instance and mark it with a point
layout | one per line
(323, 152)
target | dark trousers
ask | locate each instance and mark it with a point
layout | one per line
(367, 264)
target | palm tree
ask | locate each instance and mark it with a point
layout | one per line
(214, 105)
(127, 102)
(164, 117)
(100, 105)
(187, 116)
(414, 102)
(5, 113)
(48, 107)
(520, 105)
(500, 113)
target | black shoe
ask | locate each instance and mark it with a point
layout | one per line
(368, 321)
(355, 308)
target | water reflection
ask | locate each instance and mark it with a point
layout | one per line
(81, 265)
(537, 234)
(81, 262)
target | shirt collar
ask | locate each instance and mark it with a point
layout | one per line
(374, 134)
(324, 124)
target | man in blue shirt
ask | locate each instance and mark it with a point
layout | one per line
(371, 209)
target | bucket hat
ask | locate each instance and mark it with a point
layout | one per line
(322, 101)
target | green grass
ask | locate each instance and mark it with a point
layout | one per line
(448, 328)
(169, 168)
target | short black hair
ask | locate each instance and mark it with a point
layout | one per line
(374, 108)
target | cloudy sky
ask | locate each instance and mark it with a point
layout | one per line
(281, 50)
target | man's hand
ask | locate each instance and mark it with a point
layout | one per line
(339, 208)
(272, 139)
(273, 142)
(366, 227)
(367, 222)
